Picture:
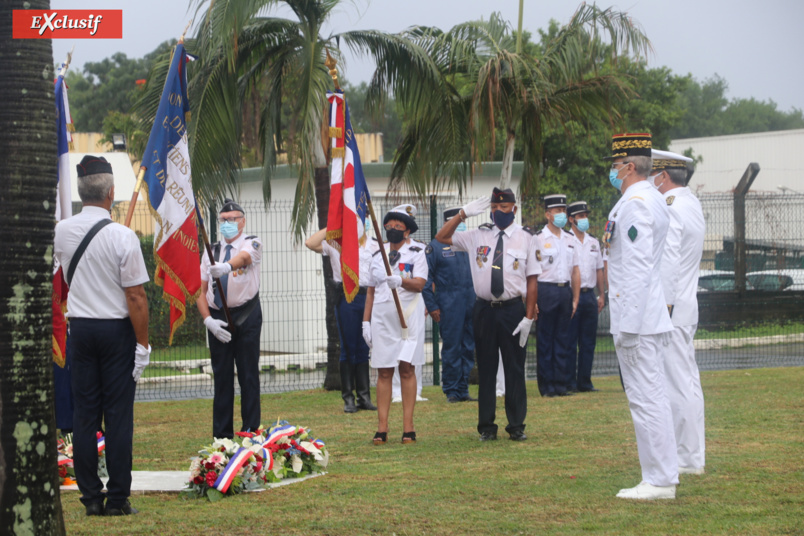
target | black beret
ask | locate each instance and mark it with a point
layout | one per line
(230, 206)
(502, 196)
(92, 165)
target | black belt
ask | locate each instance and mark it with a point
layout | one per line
(500, 303)
(554, 284)
(587, 289)
(361, 290)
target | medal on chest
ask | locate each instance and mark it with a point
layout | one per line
(516, 264)
(482, 255)
(608, 231)
(405, 269)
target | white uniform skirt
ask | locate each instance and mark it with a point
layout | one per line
(389, 348)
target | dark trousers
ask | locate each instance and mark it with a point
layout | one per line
(103, 391)
(583, 337)
(493, 328)
(62, 385)
(553, 342)
(350, 327)
(244, 351)
(458, 349)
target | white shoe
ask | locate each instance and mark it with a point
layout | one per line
(420, 398)
(396, 399)
(691, 470)
(500, 395)
(648, 492)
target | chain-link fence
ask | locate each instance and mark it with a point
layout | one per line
(763, 326)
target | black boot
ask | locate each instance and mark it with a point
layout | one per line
(363, 387)
(347, 384)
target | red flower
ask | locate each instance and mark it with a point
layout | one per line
(209, 465)
(198, 480)
(212, 476)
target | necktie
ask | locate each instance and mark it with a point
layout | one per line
(224, 279)
(497, 286)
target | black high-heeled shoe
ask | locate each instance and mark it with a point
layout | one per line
(380, 438)
(408, 437)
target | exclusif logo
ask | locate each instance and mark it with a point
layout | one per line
(68, 24)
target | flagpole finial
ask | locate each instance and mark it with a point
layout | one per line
(333, 72)
(181, 39)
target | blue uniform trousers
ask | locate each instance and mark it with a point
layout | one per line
(458, 349)
(493, 336)
(553, 343)
(583, 335)
(62, 385)
(102, 362)
(244, 351)
(350, 328)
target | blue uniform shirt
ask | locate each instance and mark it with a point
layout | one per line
(449, 270)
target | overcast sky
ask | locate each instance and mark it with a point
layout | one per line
(754, 45)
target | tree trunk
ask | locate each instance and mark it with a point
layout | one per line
(29, 487)
(508, 160)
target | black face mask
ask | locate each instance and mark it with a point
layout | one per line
(395, 236)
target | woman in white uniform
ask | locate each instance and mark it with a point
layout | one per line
(392, 346)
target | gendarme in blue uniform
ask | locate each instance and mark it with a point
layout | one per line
(454, 296)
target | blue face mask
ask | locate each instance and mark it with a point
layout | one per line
(617, 183)
(560, 220)
(502, 219)
(229, 230)
(583, 225)
(461, 227)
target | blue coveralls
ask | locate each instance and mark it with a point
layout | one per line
(455, 297)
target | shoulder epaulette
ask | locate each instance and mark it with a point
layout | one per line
(590, 235)
(374, 238)
(375, 252)
(251, 237)
(568, 232)
(486, 226)
(415, 248)
(528, 229)
(428, 250)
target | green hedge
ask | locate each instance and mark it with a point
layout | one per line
(189, 333)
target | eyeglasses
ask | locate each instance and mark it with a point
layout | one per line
(619, 164)
(397, 226)
(229, 220)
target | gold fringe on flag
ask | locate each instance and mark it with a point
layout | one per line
(335, 132)
(338, 152)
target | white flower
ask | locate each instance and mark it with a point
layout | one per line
(312, 449)
(325, 461)
(296, 463)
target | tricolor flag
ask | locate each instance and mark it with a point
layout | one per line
(278, 433)
(230, 471)
(349, 195)
(101, 442)
(170, 192)
(64, 209)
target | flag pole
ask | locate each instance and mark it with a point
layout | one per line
(218, 285)
(330, 63)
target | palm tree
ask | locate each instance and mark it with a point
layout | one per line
(488, 83)
(29, 485)
(242, 52)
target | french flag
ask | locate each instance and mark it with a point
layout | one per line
(280, 432)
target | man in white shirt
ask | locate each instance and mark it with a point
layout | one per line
(635, 235)
(237, 266)
(681, 264)
(583, 326)
(108, 316)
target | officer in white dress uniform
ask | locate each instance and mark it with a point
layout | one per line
(382, 330)
(681, 263)
(559, 290)
(237, 265)
(583, 326)
(354, 360)
(635, 235)
(108, 315)
(504, 274)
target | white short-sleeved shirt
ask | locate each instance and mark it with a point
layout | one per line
(590, 259)
(519, 259)
(412, 263)
(558, 255)
(244, 283)
(366, 256)
(111, 263)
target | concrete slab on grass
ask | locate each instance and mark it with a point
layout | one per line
(175, 481)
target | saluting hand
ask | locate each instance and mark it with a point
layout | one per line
(477, 207)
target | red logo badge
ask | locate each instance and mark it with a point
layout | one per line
(68, 24)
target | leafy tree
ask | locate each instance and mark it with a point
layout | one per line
(29, 485)
(387, 120)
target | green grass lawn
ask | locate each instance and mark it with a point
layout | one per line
(580, 452)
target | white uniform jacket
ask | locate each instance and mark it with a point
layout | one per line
(640, 221)
(683, 250)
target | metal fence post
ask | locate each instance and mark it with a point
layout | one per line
(436, 353)
(740, 192)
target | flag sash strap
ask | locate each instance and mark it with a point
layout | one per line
(230, 471)
(278, 433)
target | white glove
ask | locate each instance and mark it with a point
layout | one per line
(217, 328)
(142, 356)
(220, 269)
(394, 281)
(627, 346)
(524, 330)
(477, 207)
(367, 333)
